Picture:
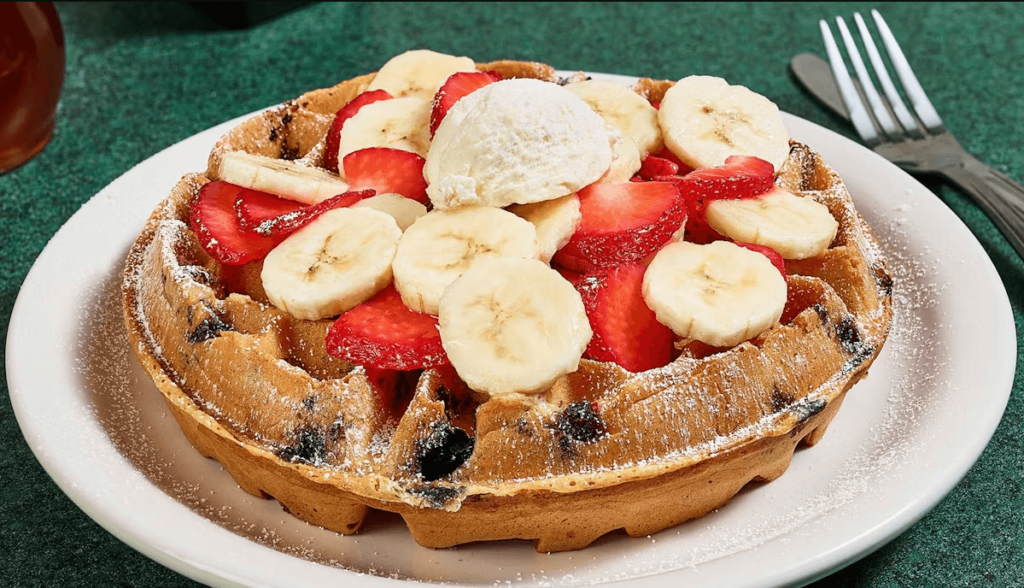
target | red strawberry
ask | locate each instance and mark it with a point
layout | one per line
(653, 166)
(770, 253)
(347, 112)
(215, 223)
(383, 333)
(387, 170)
(255, 208)
(622, 223)
(666, 154)
(252, 216)
(626, 331)
(740, 177)
(456, 86)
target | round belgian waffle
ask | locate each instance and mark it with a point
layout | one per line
(254, 388)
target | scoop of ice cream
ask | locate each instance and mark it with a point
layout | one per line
(514, 142)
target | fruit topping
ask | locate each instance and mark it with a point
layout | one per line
(623, 110)
(626, 331)
(622, 223)
(287, 179)
(340, 259)
(455, 87)
(387, 170)
(383, 333)
(346, 112)
(267, 215)
(216, 225)
(512, 325)
(652, 167)
(720, 293)
(705, 120)
(770, 253)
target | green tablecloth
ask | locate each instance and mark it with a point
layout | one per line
(141, 77)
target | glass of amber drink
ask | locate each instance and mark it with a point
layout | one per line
(31, 76)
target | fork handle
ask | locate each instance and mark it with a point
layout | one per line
(999, 196)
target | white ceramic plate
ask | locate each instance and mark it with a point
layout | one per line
(904, 437)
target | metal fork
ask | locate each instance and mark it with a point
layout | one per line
(917, 142)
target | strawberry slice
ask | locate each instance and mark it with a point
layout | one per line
(626, 331)
(346, 112)
(387, 170)
(668, 155)
(653, 166)
(383, 333)
(741, 177)
(772, 255)
(253, 213)
(215, 223)
(456, 86)
(254, 208)
(622, 223)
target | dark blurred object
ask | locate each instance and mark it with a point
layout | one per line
(31, 76)
(242, 15)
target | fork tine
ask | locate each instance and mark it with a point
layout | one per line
(874, 100)
(854, 105)
(882, 73)
(925, 111)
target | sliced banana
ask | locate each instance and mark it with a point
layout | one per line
(797, 227)
(418, 73)
(333, 264)
(720, 293)
(400, 123)
(625, 160)
(440, 246)
(705, 120)
(287, 179)
(624, 110)
(404, 210)
(555, 221)
(512, 325)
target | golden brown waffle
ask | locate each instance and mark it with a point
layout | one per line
(255, 389)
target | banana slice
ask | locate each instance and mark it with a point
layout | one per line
(287, 179)
(797, 227)
(440, 246)
(418, 73)
(555, 221)
(705, 120)
(623, 110)
(333, 264)
(400, 123)
(512, 325)
(720, 293)
(625, 160)
(404, 210)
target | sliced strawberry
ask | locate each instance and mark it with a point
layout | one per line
(740, 177)
(772, 255)
(252, 216)
(215, 223)
(387, 170)
(626, 331)
(653, 166)
(456, 86)
(255, 208)
(383, 333)
(622, 223)
(668, 155)
(347, 112)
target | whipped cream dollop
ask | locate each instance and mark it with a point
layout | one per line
(516, 141)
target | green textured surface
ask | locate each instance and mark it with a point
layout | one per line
(141, 77)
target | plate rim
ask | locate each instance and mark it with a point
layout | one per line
(824, 564)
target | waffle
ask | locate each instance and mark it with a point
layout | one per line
(255, 389)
